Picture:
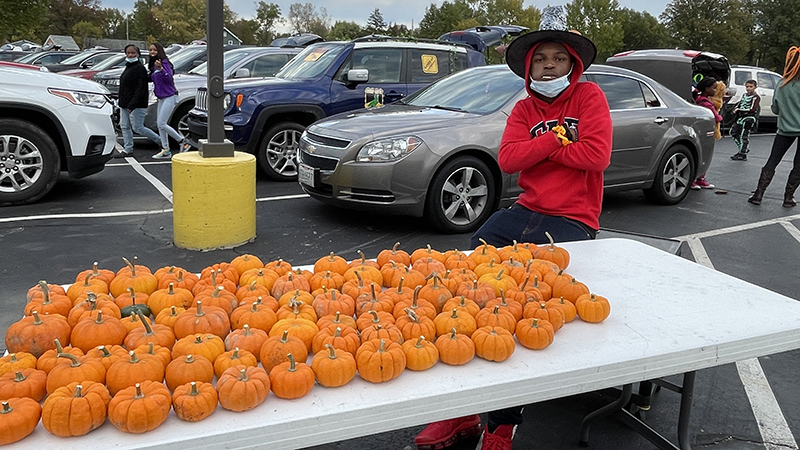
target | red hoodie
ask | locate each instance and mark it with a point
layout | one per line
(565, 181)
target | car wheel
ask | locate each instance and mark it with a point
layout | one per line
(461, 195)
(29, 162)
(179, 121)
(277, 153)
(673, 178)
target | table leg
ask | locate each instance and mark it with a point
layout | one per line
(687, 395)
(605, 411)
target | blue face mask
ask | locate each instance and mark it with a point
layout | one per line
(131, 60)
(550, 88)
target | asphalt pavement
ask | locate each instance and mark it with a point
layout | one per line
(125, 211)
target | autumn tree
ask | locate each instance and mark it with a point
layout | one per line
(512, 12)
(83, 30)
(114, 23)
(722, 26)
(268, 16)
(375, 22)
(184, 20)
(144, 22)
(439, 20)
(598, 20)
(65, 14)
(22, 19)
(305, 18)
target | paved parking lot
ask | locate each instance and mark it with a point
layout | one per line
(126, 210)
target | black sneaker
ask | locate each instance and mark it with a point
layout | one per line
(739, 157)
(123, 154)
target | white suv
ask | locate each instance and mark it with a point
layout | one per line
(50, 123)
(767, 83)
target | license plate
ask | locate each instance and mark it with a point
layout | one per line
(305, 174)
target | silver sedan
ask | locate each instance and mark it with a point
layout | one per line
(434, 154)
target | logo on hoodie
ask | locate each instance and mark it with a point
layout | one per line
(545, 126)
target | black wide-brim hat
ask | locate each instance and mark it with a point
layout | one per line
(552, 28)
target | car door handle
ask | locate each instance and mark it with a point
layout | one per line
(659, 120)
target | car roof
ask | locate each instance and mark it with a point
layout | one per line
(663, 53)
(744, 66)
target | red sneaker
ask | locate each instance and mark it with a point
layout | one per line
(703, 183)
(501, 439)
(445, 433)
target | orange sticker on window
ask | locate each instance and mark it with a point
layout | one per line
(429, 64)
(315, 54)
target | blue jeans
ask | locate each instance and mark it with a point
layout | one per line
(165, 108)
(133, 122)
(520, 224)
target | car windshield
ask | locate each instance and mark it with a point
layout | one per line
(75, 59)
(186, 54)
(479, 91)
(114, 61)
(229, 59)
(311, 62)
(27, 58)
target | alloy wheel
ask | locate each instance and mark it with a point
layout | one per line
(21, 163)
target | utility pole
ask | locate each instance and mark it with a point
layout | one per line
(127, 35)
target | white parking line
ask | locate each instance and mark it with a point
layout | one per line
(737, 228)
(791, 229)
(160, 187)
(775, 431)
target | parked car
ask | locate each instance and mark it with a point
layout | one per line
(114, 62)
(83, 60)
(434, 153)
(242, 62)
(49, 124)
(266, 117)
(22, 66)
(11, 55)
(674, 69)
(767, 83)
(46, 57)
(297, 40)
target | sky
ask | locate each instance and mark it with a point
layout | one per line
(394, 11)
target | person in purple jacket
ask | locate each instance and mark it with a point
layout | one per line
(164, 89)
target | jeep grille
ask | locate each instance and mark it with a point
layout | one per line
(201, 100)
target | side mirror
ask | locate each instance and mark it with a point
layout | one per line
(87, 64)
(242, 72)
(356, 76)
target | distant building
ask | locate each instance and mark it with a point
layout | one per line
(114, 44)
(228, 38)
(62, 42)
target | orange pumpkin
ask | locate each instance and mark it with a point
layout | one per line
(455, 348)
(493, 343)
(79, 370)
(372, 302)
(17, 361)
(181, 279)
(76, 409)
(553, 253)
(168, 316)
(550, 312)
(219, 297)
(49, 359)
(534, 333)
(212, 282)
(515, 308)
(275, 349)
(496, 317)
(36, 334)
(125, 409)
(478, 291)
(289, 282)
(380, 360)
(18, 419)
(233, 358)
(224, 269)
(333, 367)
(567, 307)
(435, 293)
(252, 290)
(570, 290)
(104, 275)
(372, 318)
(257, 315)
(27, 382)
(388, 332)
(246, 339)
(365, 273)
(187, 369)
(88, 284)
(331, 263)
(194, 401)
(516, 251)
(208, 345)
(462, 304)
(162, 354)
(413, 326)
(48, 302)
(393, 254)
(291, 379)
(133, 322)
(36, 290)
(463, 323)
(499, 281)
(331, 280)
(421, 354)
(344, 338)
(336, 320)
(303, 328)
(421, 307)
(279, 266)
(333, 301)
(171, 296)
(90, 332)
(137, 278)
(426, 252)
(297, 310)
(592, 308)
(107, 355)
(243, 263)
(137, 369)
(202, 319)
(484, 253)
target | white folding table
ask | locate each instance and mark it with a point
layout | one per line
(668, 316)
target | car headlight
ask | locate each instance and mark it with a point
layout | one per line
(226, 102)
(80, 98)
(390, 149)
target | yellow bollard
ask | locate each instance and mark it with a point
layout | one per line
(214, 201)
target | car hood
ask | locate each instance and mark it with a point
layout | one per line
(57, 81)
(391, 119)
(186, 81)
(247, 83)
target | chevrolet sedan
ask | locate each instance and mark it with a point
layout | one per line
(434, 153)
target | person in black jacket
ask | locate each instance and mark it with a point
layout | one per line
(133, 95)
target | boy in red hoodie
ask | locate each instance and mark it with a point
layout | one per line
(559, 140)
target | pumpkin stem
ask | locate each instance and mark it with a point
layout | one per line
(216, 291)
(535, 323)
(6, 408)
(394, 247)
(189, 359)
(198, 339)
(382, 346)
(104, 353)
(375, 318)
(360, 280)
(173, 311)
(400, 284)
(75, 362)
(331, 349)
(419, 341)
(455, 313)
(453, 332)
(285, 337)
(247, 331)
(255, 307)
(552, 242)
(18, 376)
(171, 289)
(338, 332)
(139, 393)
(46, 290)
(133, 294)
(59, 348)
(292, 363)
(337, 318)
(148, 329)
(411, 315)
(363, 256)
(78, 393)
(99, 319)
(499, 275)
(134, 359)
(200, 312)
(36, 319)
(132, 266)
(86, 280)
(193, 392)
(151, 350)
(12, 357)
(496, 310)
(235, 354)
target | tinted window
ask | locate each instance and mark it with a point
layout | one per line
(741, 77)
(267, 65)
(50, 59)
(621, 92)
(764, 80)
(428, 66)
(650, 98)
(75, 59)
(478, 91)
(311, 62)
(384, 64)
(776, 80)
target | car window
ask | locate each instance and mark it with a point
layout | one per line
(27, 58)
(621, 92)
(475, 91)
(764, 80)
(741, 77)
(384, 64)
(428, 66)
(229, 59)
(650, 98)
(97, 59)
(75, 59)
(50, 59)
(311, 62)
(776, 80)
(267, 65)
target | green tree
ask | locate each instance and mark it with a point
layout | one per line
(641, 31)
(777, 27)
(305, 18)
(144, 24)
(246, 30)
(444, 19)
(375, 23)
(399, 30)
(345, 31)
(65, 14)
(114, 23)
(268, 15)
(598, 20)
(184, 20)
(22, 19)
(83, 30)
(722, 26)
(512, 12)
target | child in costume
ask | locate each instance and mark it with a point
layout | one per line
(745, 119)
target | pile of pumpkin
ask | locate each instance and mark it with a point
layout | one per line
(118, 344)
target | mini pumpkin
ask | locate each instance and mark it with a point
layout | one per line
(166, 298)
(247, 338)
(493, 343)
(463, 323)
(413, 326)
(334, 301)
(567, 307)
(157, 334)
(202, 319)
(125, 411)
(232, 358)
(550, 312)
(380, 360)
(534, 333)
(186, 369)
(138, 277)
(344, 338)
(107, 355)
(27, 382)
(208, 345)
(50, 359)
(124, 374)
(421, 354)
(496, 317)
(569, 290)
(275, 349)
(79, 370)
(131, 302)
(551, 252)
(36, 334)
(18, 419)
(291, 379)
(592, 308)
(455, 348)
(90, 332)
(48, 302)
(426, 252)
(332, 263)
(372, 301)
(102, 274)
(194, 401)
(336, 320)
(393, 254)
(257, 315)
(333, 367)
(302, 328)
(76, 409)
(17, 361)
(243, 263)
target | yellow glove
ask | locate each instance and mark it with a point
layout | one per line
(561, 134)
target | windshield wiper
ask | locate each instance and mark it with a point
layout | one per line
(447, 108)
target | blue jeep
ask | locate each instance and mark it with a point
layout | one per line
(266, 116)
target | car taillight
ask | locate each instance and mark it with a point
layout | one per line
(624, 53)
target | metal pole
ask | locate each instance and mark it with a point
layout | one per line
(216, 145)
(127, 35)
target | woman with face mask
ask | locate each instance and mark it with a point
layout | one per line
(133, 101)
(559, 140)
(161, 74)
